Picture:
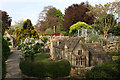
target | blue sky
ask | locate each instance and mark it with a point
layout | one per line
(30, 9)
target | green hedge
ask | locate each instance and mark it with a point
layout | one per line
(5, 49)
(3, 68)
(5, 55)
(113, 53)
(51, 69)
(108, 70)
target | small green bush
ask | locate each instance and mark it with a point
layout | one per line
(107, 70)
(113, 53)
(51, 69)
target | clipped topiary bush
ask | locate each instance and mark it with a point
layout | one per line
(58, 68)
(51, 69)
(33, 69)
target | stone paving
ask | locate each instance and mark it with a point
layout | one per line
(12, 65)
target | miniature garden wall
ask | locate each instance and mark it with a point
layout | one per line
(113, 46)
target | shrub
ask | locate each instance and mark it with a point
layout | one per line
(113, 53)
(30, 46)
(5, 55)
(58, 68)
(52, 69)
(107, 70)
(10, 31)
(44, 39)
(33, 69)
(3, 68)
(5, 48)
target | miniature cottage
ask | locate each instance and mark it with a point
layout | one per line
(79, 54)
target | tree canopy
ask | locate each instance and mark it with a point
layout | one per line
(5, 21)
(79, 25)
(54, 17)
(104, 14)
(75, 13)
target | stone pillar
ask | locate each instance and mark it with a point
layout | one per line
(51, 48)
(84, 33)
(87, 59)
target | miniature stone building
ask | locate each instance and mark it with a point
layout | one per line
(82, 56)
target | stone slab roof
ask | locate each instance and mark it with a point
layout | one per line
(71, 43)
(94, 48)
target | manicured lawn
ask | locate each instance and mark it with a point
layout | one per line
(42, 57)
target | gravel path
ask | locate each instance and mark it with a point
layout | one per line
(12, 65)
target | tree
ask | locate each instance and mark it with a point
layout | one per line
(18, 24)
(79, 25)
(104, 13)
(54, 17)
(5, 21)
(42, 14)
(97, 24)
(27, 30)
(49, 31)
(115, 30)
(75, 13)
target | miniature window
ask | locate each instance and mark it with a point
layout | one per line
(79, 52)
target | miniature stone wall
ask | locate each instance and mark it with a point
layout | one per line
(113, 46)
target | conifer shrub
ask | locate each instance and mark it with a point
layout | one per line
(27, 30)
